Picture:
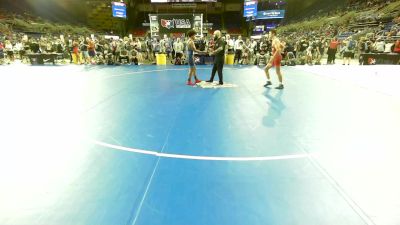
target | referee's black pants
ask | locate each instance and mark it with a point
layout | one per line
(218, 66)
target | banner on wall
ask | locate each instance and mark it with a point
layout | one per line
(161, 24)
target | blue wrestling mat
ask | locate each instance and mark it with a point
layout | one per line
(136, 146)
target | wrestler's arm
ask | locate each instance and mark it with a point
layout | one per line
(278, 48)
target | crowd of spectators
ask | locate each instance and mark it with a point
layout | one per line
(309, 47)
(300, 48)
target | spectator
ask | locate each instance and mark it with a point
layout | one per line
(124, 55)
(1, 53)
(246, 52)
(91, 50)
(19, 48)
(155, 46)
(178, 48)
(231, 44)
(84, 49)
(349, 49)
(397, 47)
(238, 47)
(379, 46)
(388, 46)
(319, 50)
(309, 53)
(134, 57)
(9, 49)
(332, 50)
(253, 49)
(76, 52)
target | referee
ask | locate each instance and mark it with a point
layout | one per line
(219, 57)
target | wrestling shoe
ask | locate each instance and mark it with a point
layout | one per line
(198, 81)
(280, 87)
(209, 81)
(268, 84)
(190, 83)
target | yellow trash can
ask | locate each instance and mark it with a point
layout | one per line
(229, 59)
(161, 59)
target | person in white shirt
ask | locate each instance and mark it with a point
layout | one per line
(379, 46)
(246, 52)
(349, 49)
(231, 44)
(238, 49)
(20, 49)
(388, 46)
(253, 49)
(163, 44)
(309, 54)
(138, 48)
(18, 46)
(178, 48)
(9, 49)
(168, 46)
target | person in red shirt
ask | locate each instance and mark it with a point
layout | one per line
(76, 52)
(333, 45)
(1, 53)
(397, 47)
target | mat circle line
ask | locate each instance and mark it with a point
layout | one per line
(196, 157)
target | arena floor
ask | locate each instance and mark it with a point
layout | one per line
(135, 146)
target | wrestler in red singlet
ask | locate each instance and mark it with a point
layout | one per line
(275, 60)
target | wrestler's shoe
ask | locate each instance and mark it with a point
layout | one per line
(209, 81)
(198, 81)
(280, 87)
(190, 83)
(268, 84)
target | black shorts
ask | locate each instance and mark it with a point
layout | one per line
(92, 53)
(347, 54)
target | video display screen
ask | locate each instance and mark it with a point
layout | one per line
(119, 9)
(270, 14)
(250, 8)
(259, 28)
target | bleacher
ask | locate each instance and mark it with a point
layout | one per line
(364, 25)
(388, 26)
(233, 23)
(215, 19)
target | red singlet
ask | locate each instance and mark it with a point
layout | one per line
(277, 59)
